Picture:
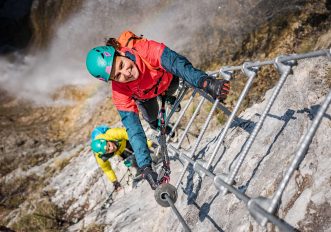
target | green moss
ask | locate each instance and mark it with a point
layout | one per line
(306, 45)
(61, 163)
(46, 217)
(33, 160)
(95, 228)
(221, 117)
(7, 164)
(297, 33)
(12, 193)
(16, 191)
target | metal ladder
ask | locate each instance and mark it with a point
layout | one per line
(262, 209)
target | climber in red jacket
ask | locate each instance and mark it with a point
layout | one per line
(138, 75)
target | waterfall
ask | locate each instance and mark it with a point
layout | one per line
(64, 31)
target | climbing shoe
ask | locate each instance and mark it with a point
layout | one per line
(137, 178)
(168, 130)
(171, 101)
(117, 186)
(150, 176)
(138, 173)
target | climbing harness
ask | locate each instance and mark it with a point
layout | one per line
(165, 194)
(164, 174)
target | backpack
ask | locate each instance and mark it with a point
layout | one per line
(99, 130)
(129, 39)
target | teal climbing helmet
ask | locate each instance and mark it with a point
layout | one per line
(99, 146)
(99, 62)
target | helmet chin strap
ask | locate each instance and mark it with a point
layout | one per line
(130, 56)
(117, 143)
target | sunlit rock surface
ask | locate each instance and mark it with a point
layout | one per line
(305, 199)
(49, 105)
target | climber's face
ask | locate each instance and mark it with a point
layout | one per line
(124, 70)
(111, 147)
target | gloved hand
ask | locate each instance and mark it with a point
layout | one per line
(154, 126)
(128, 163)
(216, 88)
(117, 185)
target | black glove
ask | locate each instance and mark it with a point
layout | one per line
(117, 185)
(216, 88)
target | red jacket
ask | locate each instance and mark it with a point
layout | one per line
(151, 82)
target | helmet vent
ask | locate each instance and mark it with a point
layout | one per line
(103, 56)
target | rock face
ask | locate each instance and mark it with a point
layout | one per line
(76, 186)
(48, 178)
(308, 193)
(305, 202)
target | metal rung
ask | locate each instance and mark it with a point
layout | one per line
(251, 205)
(179, 216)
(325, 52)
(262, 209)
(203, 130)
(181, 114)
(251, 73)
(299, 156)
(285, 70)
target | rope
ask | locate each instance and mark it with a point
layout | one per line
(104, 184)
(130, 175)
(110, 196)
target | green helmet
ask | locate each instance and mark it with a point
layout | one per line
(99, 62)
(99, 146)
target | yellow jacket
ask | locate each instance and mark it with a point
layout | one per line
(121, 136)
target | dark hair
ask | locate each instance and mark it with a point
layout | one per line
(112, 42)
